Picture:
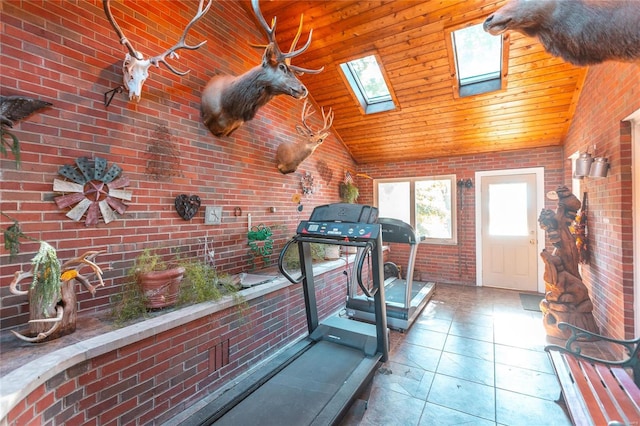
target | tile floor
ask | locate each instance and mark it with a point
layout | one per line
(474, 356)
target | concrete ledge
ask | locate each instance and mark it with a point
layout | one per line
(19, 383)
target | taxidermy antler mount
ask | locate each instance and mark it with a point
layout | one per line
(52, 297)
(290, 155)
(580, 32)
(229, 101)
(135, 68)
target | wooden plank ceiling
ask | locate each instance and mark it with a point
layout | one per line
(534, 110)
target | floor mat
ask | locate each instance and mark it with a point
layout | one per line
(531, 302)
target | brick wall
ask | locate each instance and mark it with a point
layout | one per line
(611, 93)
(66, 53)
(156, 378)
(457, 263)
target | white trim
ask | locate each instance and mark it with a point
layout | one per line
(539, 172)
(635, 188)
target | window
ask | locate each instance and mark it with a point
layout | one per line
(508, 209)
(426, 203)
(478, 60)
(368, 84)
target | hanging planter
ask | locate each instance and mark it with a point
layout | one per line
(349, 192)
(260, 243)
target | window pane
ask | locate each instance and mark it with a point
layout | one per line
(478, 54)
(369, 78)
(433, 208)
(508, 209)
(394, 200)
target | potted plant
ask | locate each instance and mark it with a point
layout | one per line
(150, 284)
(198, 282)
(349, 192)
(158, 282)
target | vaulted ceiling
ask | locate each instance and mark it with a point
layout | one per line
(534, 110)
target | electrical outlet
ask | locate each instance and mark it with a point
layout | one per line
(213, 215)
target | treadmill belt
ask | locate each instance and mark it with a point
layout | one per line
(298, 393)
(395, 290)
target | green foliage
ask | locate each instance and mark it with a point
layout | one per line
(12, 237)
(292, 258)
(129, 305)
(8, 139)
(265, 248)
(349, 192)
(45, 287)
(201, 283)
(147, 262)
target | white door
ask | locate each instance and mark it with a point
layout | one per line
(635, 185)
(508, 231)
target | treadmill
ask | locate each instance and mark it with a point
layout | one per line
(405, 298)
(316, 380)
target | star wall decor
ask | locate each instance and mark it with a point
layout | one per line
(93, 190)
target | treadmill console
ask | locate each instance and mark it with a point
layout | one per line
(345, 212)
(397, 231)
(339, 230)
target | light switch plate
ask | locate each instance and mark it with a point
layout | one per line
(213, 215)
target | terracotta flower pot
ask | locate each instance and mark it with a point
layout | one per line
(161, 287)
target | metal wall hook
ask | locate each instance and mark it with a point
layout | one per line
(467, 183)
(111, 94)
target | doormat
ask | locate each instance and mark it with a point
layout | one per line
(531, 302)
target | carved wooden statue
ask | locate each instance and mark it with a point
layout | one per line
(52, 297)
(566, 296)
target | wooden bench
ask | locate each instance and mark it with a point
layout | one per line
(596, 391)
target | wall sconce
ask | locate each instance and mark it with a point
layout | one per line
(587, 166)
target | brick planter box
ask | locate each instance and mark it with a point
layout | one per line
(157, 368)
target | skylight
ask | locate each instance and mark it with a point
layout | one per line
(367, 82)
(478, 57)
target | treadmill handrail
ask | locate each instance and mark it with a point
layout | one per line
(360, 265)
(281, 261)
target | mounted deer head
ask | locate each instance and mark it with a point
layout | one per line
(135, 68)
(581, 32)
(290, 155)
(229, 101)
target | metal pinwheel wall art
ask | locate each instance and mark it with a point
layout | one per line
(92, 190)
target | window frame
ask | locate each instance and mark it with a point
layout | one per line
(412, 203)
(373, 106)
(482, 86)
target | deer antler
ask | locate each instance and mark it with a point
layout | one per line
(270, 30)
(135, 67)
(41, 336)
(290, 155)
(75, 264)
(181, 44)
(106, 5)
(308, 111)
